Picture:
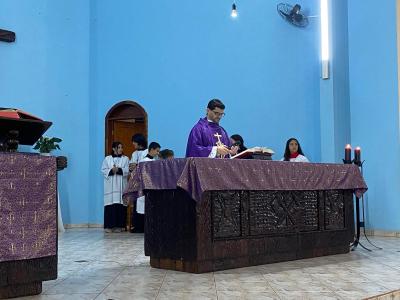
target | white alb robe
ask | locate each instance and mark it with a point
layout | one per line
(299, 158)
(140, 200)
(138, 156)
(114, 185)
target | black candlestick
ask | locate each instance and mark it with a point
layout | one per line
(347, 154)
(357, 156)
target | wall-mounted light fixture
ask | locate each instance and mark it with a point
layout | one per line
(234, 13)
(324, 39)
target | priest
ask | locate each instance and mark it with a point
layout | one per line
(207, 138)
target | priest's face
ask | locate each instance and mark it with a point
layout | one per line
(215, 115)
(293, 146)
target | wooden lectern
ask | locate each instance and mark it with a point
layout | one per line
(18, 127)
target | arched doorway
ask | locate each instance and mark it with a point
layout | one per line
(123, 120)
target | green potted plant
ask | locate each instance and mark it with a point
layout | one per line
(46, 144)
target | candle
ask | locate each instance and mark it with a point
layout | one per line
(357, 154)
(347, 154)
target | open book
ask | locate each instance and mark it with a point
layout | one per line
(254, 150)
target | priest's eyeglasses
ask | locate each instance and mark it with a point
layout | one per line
(218, 114)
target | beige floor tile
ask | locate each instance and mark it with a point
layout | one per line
(172, 276)
(246, 277)
(244, 286)
(61, 297)
(76, 288)
(132, 287)
(185, 287)
(92, 264)
(390, 283)
(308, 296)
(139, 295)
(282, 287)
(352, 295)
(182, 295)
(240, 295)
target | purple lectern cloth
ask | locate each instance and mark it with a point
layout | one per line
(197, 175)
(28, 206)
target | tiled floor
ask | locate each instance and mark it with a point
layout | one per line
(94, 265)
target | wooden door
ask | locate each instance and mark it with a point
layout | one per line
(123, 132)
(123, 120)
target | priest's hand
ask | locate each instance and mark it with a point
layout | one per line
(115, 170)
(222, 150)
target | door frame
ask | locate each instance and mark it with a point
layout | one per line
(117, 113)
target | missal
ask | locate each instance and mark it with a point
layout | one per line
(264, 151)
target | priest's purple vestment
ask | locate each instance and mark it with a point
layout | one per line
(202, 140)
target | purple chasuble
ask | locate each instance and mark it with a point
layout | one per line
(202, 139)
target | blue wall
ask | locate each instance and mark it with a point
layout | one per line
(46, 72)
(374, 106)
(340, 71)
(73, 60)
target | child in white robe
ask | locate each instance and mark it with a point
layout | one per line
(293, 152)
(154, 151)
(139, 141)
(115, 169)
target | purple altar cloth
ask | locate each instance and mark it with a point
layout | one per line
(197, 175)
(28, 206)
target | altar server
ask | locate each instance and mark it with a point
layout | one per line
(293, 152)
(154, 151)
(115, 169)
(139, 141)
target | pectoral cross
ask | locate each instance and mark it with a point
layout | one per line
(218, 143)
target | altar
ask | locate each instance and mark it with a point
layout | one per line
(204, 215)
